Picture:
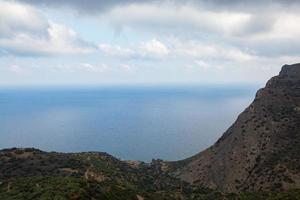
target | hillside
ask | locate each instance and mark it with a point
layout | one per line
(260, 151)
(33, 174)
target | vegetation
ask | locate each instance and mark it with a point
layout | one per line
(37, 175)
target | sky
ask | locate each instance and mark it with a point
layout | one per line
(134, 42)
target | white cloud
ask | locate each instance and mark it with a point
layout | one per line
(127, 68)
(202, 64)
(152, 49)
(116, 50)
(16, 69)
(228, 40)
(92, 68)
(188, 49)
(14, 16)
(23, 31)
(271, 31)
(209, 51)
(74, 68)
(175, 17)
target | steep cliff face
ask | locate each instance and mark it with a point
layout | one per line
(261, 150)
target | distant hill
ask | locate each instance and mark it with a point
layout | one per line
(33, 174)
(261, 150)
(258, 157)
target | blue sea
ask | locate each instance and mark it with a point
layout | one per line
(131, 122)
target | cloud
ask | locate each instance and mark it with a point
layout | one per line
(194, 49)
(270, 32)
(178, 49)
(186, 19)
(172, 18)
(233, 17)
(82, 6)
(16, 69)
(14, 16)
(202, 64)
(127, 68)
(116, 51)
(83, 67)
(216, 36)
(268, 28)
(92, 68)
(95, 7)
(23, 31)
(153, 49)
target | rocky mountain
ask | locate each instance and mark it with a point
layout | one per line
(261, 150)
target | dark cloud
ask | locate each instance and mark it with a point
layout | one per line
(245, 2)
(83, 6)
(257, 24)
(98, 6)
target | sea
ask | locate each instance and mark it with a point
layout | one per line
(128, 122)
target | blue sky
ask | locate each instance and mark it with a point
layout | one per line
(146, 42)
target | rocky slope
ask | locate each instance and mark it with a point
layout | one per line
(261, 150)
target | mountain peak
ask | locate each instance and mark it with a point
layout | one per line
(289, 77)
(290, 71)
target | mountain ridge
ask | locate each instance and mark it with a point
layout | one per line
(235, 162)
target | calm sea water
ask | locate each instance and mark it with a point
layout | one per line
(138, 123)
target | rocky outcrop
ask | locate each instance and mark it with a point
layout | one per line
(261, 150)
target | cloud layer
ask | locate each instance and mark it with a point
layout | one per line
(25, 32)
(217, 37)
(266, 28)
